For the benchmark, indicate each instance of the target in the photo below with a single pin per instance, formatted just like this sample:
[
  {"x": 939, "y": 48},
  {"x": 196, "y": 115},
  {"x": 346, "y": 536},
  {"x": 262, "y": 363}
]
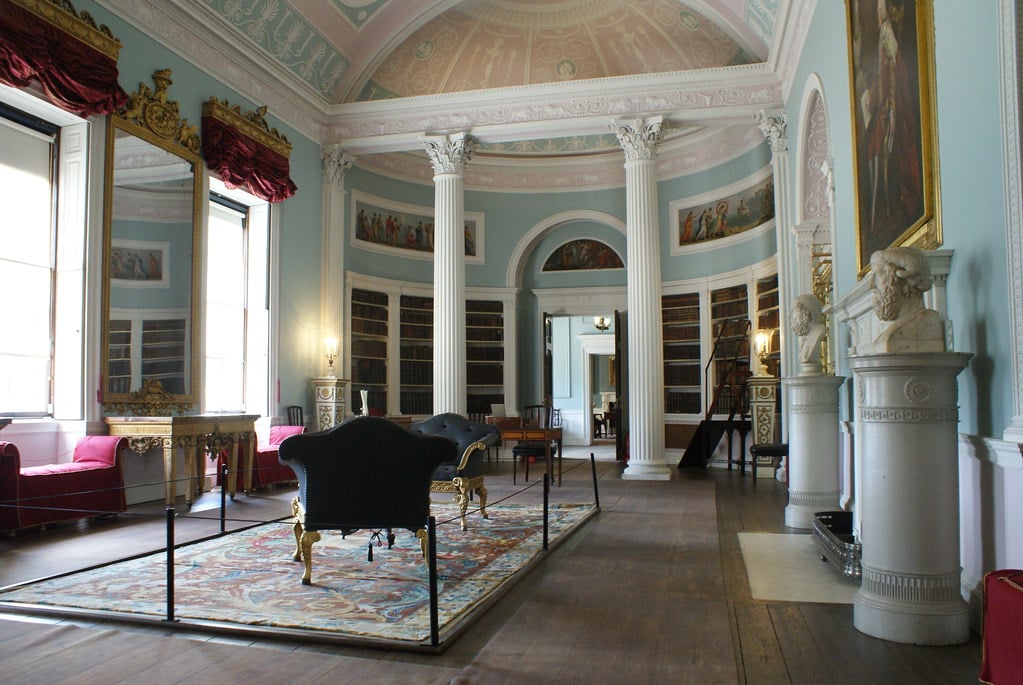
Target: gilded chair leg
[
  {"x": 481, "y": 492},
  {"x": 296, "y": 510},
  {"x": 424, "y": 539},
  {"x": 308, "y": 538},
  {"x": 461, "y": 499}
]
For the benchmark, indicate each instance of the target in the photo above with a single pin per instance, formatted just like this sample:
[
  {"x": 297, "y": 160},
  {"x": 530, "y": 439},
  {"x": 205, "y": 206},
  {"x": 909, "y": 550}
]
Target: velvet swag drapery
[
  {"x": 245, "y": 152},
  {"x": 73, "y": 60}
]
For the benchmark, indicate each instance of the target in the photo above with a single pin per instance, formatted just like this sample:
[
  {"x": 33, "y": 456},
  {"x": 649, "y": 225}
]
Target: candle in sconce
[{"x": 365, "y": 402}]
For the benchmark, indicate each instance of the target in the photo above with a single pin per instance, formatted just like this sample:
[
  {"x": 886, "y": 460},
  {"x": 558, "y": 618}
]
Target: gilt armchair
[
  {"x": 463, "y": 474},
  {"x": 366, "y": 473}
]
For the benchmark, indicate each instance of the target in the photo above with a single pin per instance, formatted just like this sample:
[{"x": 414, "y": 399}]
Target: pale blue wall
[{"x": 969, "y": 131}]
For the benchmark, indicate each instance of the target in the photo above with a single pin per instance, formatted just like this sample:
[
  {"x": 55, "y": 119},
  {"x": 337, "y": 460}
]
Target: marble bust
[
  {"x": 901, "y": 275},
  {"x": 807, "y": 322}
]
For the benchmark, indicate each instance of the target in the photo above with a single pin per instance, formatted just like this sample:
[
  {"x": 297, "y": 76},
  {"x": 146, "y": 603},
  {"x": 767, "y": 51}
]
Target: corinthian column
[
  {"x": 773, "y": 124},
  {"x": 449, "y": 155},
  {"x": 335, "y": 163},
  {"x": 645, "y": 407}
]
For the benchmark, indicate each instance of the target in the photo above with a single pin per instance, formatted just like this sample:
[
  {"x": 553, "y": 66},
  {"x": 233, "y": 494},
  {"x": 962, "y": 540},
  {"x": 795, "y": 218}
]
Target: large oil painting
[
  {"x": 893, "y": 137},
  {"x": 383, "y": 225}
]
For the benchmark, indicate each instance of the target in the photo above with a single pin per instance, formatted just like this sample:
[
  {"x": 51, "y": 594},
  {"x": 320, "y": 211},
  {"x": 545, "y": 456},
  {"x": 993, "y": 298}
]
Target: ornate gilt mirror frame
[{"x": 153, "y": 174}]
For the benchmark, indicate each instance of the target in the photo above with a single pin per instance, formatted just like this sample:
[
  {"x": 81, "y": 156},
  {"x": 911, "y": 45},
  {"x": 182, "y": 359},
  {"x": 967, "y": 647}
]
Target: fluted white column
[
  {"x": 645, "y": 408},
  {"x": 449, "y": 155},
  {"x": 335, "y": 163}
]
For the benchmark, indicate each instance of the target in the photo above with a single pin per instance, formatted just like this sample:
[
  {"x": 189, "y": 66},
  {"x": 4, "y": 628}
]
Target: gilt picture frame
[{"x": 891, "y": 70}]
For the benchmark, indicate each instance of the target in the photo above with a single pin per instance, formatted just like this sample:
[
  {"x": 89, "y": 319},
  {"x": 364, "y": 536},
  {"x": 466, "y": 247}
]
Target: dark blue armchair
[
  {"x": 366, "y": 473},
  {"x": 464, "y": 473}
]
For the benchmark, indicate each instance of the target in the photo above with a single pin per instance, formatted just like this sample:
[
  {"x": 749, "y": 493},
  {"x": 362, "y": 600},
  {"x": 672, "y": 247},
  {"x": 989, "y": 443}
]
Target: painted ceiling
[{"x": 354, "y": 50}]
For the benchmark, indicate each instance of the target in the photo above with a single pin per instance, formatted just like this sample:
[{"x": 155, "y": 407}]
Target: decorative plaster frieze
[
  {"x": 906, "y": 587},
  {"x": 816, "y": 176},
  {"x": 810, "y": 409},
  {"x": 907, "y": 415}
]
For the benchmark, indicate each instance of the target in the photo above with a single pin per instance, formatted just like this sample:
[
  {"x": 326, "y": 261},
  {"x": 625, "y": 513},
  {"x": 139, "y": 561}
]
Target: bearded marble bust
[
  {"x": 807, "y": 323},
  {"x": 901, "y": 276}
]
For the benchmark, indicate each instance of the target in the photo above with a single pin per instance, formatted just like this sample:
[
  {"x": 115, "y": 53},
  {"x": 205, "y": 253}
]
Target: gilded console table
[{"x": 196, "y": 435}]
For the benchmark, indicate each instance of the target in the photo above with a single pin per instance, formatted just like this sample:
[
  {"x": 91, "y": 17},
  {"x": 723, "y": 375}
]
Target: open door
[
  {"x": 621, "y": 386},
  {"x": 547, "y": 396}
]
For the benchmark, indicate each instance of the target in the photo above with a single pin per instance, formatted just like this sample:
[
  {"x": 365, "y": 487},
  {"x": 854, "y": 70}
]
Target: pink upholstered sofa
[
  {"x": 267, "y": 469},
  {"x": 92, "y": 484}
]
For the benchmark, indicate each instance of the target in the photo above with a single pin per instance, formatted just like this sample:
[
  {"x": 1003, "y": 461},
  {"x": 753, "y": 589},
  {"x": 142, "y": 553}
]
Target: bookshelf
[
  {"x": 369, "y": 338},
  {"x": 680, "y": 325},
  {"x": 767, "y": 318},
  {"x": 484, "y": 354},
  {"x": 416, "y": 355},
  {"x": 396, "y": 362},
  {"x": 147, "y": 344},
  {"x": 729, "y": 326}
]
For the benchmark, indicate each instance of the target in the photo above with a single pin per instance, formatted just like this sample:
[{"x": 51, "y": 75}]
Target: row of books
[{"x": 682, "y": 403}]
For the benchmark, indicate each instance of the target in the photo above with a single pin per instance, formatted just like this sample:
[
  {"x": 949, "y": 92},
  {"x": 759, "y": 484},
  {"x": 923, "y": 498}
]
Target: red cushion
[{"x": 1003, "y": 625}]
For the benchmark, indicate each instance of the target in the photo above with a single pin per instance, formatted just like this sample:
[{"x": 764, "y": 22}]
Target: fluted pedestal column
[
  {"x": 812, "y": 418},
  {"x": 330, "y": 401},
  {"x": 449, "y": 155},
  {"x": 908, "y": 498},
  {"x": 645, "y": 406}
]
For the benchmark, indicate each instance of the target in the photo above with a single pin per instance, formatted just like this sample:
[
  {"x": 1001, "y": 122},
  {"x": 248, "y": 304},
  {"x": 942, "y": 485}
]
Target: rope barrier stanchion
[
  {"x": 170, "y": 563},
  {"x": 431, "y": 558},
  {"x": 593, "y": 469},
  {"x": 223, "y": 497},
  {"x": 546, "y": 508}
]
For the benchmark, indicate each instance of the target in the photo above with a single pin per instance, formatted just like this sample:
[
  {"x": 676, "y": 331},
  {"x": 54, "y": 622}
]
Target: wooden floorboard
[{"x": 652, "y": 590}]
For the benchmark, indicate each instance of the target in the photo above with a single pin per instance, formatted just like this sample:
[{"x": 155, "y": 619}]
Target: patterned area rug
[{"x": 248, "y": 577}]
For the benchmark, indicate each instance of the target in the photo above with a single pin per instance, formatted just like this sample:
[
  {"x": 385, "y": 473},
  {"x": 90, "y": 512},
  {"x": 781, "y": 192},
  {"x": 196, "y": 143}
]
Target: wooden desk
[
  {"x": 197, "y": 435},
  {"x": 512, "y": 428}
]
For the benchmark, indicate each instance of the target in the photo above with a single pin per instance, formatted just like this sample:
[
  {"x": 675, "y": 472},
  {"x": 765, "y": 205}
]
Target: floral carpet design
[{"x": 248, "y": 577}]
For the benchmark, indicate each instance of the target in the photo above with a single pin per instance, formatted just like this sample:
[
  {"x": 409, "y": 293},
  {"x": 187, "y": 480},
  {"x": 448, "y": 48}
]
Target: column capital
[
  {"x": 449, "y": 154},
  {"x": 336, "y": 161},
  {"x": 638, "y": 137},
  {"x": 773, "y": 123}
]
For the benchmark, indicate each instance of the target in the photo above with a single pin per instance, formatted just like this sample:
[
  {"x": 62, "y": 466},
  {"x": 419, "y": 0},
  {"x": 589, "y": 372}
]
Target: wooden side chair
[{"x": 528, "y": 451}]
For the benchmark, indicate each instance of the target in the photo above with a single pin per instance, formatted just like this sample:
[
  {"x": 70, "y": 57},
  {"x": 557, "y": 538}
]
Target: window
[
  {"x": 236, "y": 329},
  {"x": 43, "y": 170}
]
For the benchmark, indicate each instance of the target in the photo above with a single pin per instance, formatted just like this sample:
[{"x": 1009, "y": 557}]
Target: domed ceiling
[
  {"x": 529, "y": 79},
  {"x": 482, "y": 44}
]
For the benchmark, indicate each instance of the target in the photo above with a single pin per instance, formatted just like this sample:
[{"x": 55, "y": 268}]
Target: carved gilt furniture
[{"x": 464, "y": 474}]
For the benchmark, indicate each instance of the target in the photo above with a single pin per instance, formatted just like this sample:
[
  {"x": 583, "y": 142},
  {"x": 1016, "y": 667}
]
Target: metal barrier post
[
  {"x": 593, "y": 469},
  {"x": 546, "y": 507},
  {"x": 431, "y": 562},
  {"x": 170, "y": 563}
]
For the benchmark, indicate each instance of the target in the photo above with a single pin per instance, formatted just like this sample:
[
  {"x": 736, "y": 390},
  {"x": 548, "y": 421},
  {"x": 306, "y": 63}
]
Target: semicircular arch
[{"x": 524, "y": 248}]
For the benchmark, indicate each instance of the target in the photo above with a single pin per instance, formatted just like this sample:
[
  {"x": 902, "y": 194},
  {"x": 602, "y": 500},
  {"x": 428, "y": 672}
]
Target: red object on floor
[{"x": 1002, "y": 662}]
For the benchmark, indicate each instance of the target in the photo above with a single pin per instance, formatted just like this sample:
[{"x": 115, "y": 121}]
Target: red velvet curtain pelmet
[
  {"x": 242, "y": 162},
  {"x": 75, "y": 76}
]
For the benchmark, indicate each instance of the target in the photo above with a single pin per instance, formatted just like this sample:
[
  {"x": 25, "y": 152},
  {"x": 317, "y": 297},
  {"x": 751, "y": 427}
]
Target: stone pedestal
[
  {"x": 812, "y": 420},
  {"x": 908, "y": 498},
  {"x": 763, "y": 400},
  {"x": 330, "y": 401}
]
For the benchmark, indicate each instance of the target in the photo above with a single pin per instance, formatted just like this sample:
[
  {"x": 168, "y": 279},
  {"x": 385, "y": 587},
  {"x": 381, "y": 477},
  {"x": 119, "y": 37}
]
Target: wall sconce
[
  {"x": 331, "y": 345},
  {"x": 762, "y": 348},
  {"x": 601, "y": 323}
]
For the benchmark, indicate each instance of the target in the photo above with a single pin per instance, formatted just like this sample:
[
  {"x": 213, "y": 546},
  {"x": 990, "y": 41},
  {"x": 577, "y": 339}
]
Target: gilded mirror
[{"x": 151, "y": 256}]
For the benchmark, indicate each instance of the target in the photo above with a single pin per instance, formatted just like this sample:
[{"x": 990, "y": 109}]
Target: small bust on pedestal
[
  {"x": 807, "y": 322},
  {"x": 901, "y": 275}
]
